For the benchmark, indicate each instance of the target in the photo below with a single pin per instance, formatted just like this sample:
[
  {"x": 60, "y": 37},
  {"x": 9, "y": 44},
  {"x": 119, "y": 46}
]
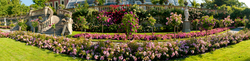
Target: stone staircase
[
  {"x": 59, "y": 26},
  {"x": 62, "y": 26}
]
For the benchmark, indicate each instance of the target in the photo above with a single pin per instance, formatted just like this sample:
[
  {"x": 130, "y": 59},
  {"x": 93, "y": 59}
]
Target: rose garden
[{"x": 129, "y": 32}]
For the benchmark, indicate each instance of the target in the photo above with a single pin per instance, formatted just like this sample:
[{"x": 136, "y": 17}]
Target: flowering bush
[
  {"x": 53, "y": 25},
  {"x": 238, "y": 22},
  {"x": 150, "y": 37},
  {"x": 227, "y": 21},
  {"x": 129, "y": 23},
  {"x": 196, "y": 23},
  {"x": 40, "y": 18},
  {"x": 207, "y": 22},
  {"x": 132, "y": 50},
  {"x": 174, "y": 19},
  {"x": 82, "y": 21},
  {"x": 152, "y": 22},
  {"x": 103, "y": 18},
  {"x": 34, "y": 23}
]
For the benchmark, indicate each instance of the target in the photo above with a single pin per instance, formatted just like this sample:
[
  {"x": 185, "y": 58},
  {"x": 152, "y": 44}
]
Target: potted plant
[
  {"x": 166, "y": 2},
  {"x": 76, "y": 4},
  {"x": 142, "y": 1},
  {"x": 202, "y": 4},
  {"x": 96, "y": 2},
  {"x": 185, "y": 3},
  {"x": 34, "y": 23},
  {"x": 11, "y": 24},
  {"x": 54, "y": 27},
  {"x": 40, "y": 18},
  {"x": 61, "y": 6},
  {"x": 46, "y": 3},
  {"x": 20, "y": 23},
  {"x": 31, "y": 7},
  {"x": 117, "y": 2},
  {"x": 67, "y": 16}
]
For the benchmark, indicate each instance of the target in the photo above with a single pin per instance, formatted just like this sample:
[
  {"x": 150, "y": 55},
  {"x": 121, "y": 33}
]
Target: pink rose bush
[
  {"x": 131, "y": 51},
  {"x": 150, "y": 37}
]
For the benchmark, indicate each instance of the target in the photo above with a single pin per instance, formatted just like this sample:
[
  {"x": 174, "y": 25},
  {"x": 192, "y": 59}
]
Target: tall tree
[
  {"x": 181, "y": 2},
  {"x": 40, "y": 2}
]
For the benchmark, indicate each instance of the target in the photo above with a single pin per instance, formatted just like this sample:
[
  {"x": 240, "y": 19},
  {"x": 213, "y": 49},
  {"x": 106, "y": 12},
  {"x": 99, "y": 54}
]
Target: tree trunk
[
  {"x": 174, "y": 32},
  {"x": 102, "y": 27},
  {"x": 20, "y": 28},
  {"x": 34, "y": 29},
  {"x": 54, "y": 32},
  {"x": 206, "y": 35},
  {"x": 152, "y": 29}
]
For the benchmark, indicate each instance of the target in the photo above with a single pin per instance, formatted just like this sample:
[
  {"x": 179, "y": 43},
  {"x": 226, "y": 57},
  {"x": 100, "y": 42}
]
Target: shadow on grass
[{"x": 248, "y": 59}]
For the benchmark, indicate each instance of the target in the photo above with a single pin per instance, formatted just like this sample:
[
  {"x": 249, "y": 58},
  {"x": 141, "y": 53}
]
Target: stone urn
[
  {"x": 31, "y": 8},
  {"x": 185, "y": 3},
  {"x": 142, "y": 1},
  {"x": 67, "y": 18},
  {"x": 96, "y": 2},
  {"x": 117, "y": 2},
  {"x": 166, "y": 2},
  {"x": 46, "y": 4}
]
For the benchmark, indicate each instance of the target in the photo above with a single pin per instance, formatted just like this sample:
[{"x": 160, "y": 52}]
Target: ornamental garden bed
[
  {"x": 107, "y": 50},
  {"x": 150, "y": 37}
]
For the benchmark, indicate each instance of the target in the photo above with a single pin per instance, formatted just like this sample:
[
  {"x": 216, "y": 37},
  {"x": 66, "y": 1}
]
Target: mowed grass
[
  {"x": 148, "y": 33},
  {"x": 237, "y": 52},
  {"x": 179, "y": 39},
  {"x": 11, "y": 50}
]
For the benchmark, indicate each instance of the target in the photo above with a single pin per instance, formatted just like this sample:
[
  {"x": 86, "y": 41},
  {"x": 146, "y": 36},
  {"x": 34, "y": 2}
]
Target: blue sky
[{"x": 29, "y": 2}]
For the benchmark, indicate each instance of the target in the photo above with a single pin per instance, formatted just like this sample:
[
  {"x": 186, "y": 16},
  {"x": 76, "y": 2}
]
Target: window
[
  {"x": 51, "y": 4},
  {"x": 61, "y": 1}
]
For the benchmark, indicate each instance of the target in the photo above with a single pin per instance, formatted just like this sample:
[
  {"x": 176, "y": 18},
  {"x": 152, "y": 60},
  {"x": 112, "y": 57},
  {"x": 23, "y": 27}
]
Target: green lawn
[
  {"x": 148, "y": 33},
  {"x": 237, "y": 52},
  {"x": 96, "y": 40},
  {"x": 12, "y": 50}
]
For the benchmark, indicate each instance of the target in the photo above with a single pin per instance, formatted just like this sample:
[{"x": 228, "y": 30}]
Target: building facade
[
  {"x": 70, "y": 3},
  {"x": 56, "y": 3}
]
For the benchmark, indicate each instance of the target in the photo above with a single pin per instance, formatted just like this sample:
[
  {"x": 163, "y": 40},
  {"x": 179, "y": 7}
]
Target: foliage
[
  {"x": 67, "y": 15},
  {"x": 34, "y": 23},
  {"x": 11, "y": 24},
  {"x": 53, "y": 25},
  {"x": 227, "y": 21},
  {"x": 151, "y": 21},
  {"x": 129, "y": 23},
  {"x": 196, "y": 22},
  {"x": 82, "y": 21},
  {"x": 194, "y": 4},
  {"x": 12, "y": 8},
  {"x": 40, "y": 18},
  {"x": 181, "y": 2},
  {"x": 40, "y": 2},
  {"x": 239, "y": 22},
  {"x": 174, "y": 19},
  {"x": 154, "y": 1},
  {"x": 207, "y": 23},
  {"x": 62, "y": 6}
]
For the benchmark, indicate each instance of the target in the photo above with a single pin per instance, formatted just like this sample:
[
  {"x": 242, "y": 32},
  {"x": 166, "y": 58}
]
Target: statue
[{"x": 186, "y": 14}]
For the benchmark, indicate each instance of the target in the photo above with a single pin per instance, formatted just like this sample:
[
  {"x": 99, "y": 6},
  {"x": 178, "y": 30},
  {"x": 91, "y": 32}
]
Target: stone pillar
[{"x": 186, "y": 23}]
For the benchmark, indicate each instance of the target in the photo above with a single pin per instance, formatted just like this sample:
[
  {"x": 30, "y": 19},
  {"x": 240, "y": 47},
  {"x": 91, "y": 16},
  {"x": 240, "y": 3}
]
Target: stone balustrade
[
  {"x": 61, "y": 12},
  {"x": 149, "y": 7}
]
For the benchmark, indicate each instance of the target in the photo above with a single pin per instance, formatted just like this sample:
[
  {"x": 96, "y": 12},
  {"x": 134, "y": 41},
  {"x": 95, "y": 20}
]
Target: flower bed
[
  {"x": 150, "y": 37},
  {"x": 5, "y": 27},
  {"x": 127, "y": 51}
]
